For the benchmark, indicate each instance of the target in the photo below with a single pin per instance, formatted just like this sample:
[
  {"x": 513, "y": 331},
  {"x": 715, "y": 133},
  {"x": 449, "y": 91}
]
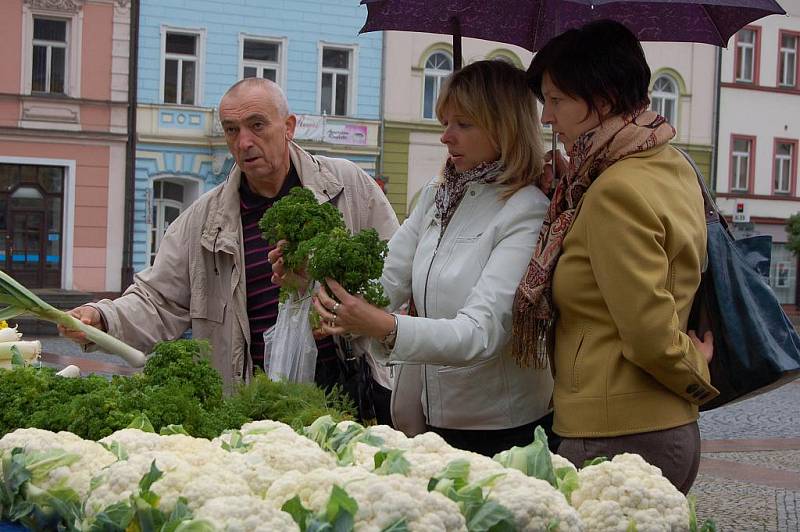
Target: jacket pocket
[
  {"x": 475, "y": 396},
  {"x": 575, "y": 374}
]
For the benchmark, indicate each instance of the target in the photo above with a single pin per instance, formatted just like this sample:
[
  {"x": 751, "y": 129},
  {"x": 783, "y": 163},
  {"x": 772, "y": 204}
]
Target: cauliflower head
[
  {"x": 533, "y": 502},
  {"x": 180, "y": 478},
  {"x": 382, "y": 500},
  {"x": 196, "y": 451},
  {"x": 78, "y": 476},
  {"x": 244, "y": 514},
  {"x": 639, "y": 490}
]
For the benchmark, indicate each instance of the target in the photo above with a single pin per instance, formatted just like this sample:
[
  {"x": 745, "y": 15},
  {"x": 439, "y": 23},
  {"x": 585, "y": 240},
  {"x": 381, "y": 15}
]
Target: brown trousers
[{"x": 675, "y": 451}]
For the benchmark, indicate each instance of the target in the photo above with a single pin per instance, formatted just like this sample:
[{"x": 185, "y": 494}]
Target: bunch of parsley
[
  {"x": 354, "y": 261},
  {"x": 318, "y": 239},
  {"x": 298, "y": 217},
  {"x": 178, "y": 386}
]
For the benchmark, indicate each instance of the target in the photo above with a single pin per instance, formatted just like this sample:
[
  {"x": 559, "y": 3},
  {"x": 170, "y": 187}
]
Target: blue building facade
[{"x": 191, "y": 51}]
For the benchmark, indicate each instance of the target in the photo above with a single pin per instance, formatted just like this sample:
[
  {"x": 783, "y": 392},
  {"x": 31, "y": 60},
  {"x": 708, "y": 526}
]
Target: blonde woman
[{"x": 459, "y": 257}]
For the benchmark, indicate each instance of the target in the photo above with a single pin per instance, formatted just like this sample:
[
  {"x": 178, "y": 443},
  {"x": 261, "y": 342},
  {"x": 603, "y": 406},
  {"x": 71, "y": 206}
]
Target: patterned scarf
[
  {"x": 454, "y": 186},
  {"x": 594, "y": 151}
]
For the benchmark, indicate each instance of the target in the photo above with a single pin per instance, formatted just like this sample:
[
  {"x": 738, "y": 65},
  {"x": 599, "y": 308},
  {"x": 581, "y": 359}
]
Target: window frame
[
  {"x": 792, "y": 167},
  {"x": 674, "y": 97},
  {"x": 352, "y": 71},
  {"x": 737, "y": 56},
  {"x": 280, "y": 71},
  {"x": 72, "y": 57},
  {"x": 199, "y": 75},
  {"x": 503, "y": 54},
  {"x": 439, "y": 75},
  {"x": 49, "y": 46},
  {"x": 796, "y": 84},
  {"x": 750, "y": 166},
  {"x": 192, "y": 189}
]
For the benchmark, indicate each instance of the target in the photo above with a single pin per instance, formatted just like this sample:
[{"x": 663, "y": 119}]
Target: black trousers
[
  {"x": 491, "y": 442},
  {"x": 372, "y": 400}
]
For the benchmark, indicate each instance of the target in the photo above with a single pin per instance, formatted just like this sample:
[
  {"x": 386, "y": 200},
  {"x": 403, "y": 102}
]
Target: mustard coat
[{"x": 624, "y": 287}]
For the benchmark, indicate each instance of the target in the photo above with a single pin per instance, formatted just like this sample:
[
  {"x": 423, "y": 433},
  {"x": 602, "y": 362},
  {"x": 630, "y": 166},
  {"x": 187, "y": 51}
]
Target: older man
[{"x": 211, "y": 273}]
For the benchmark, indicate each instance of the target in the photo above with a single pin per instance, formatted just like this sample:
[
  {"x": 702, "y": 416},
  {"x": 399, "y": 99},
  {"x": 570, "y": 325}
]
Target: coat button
[{"x": 471, "y": 192}]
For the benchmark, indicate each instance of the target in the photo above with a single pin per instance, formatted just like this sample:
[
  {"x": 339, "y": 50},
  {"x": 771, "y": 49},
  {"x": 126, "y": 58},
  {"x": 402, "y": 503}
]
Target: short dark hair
[{"x": 599, "y": 62}]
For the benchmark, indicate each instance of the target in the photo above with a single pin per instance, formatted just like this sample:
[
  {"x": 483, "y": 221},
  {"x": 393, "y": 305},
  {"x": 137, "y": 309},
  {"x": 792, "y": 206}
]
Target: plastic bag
[{"x": 290, "y": 352}]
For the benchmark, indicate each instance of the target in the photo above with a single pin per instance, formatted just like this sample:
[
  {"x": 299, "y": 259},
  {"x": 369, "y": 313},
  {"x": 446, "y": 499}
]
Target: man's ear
[{"x": 291, "y": 124}]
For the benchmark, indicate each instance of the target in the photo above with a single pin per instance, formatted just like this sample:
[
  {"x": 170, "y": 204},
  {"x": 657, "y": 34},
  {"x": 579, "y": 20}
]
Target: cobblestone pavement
[
  {"x": 750, "y": 469},
  {"x": 749, "y": 478}
]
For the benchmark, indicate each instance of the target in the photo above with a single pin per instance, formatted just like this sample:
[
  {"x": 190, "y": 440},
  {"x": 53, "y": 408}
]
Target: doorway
[{"x": 31, "y": 200}]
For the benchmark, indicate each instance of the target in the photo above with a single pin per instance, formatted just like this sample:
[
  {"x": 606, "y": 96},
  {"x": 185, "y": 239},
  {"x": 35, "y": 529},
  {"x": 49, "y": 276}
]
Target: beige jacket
[
  {"x": 197, "y": 280},
  {"x": 455, "y": 364}
]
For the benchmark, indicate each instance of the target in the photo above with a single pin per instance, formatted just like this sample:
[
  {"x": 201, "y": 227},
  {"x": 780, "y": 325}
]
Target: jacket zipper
[{"x": 425, "y": 312}]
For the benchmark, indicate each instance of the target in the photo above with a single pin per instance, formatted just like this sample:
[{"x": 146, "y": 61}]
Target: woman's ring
[{"x": 336, "y": 306}]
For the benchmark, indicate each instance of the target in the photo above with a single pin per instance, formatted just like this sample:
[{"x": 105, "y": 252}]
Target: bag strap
[{"x": 711, "y": 209}]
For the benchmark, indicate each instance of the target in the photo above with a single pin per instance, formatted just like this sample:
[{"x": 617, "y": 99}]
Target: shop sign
[
  {"x": 353, "y": 134},
  {"x": 310, "y": 127}
]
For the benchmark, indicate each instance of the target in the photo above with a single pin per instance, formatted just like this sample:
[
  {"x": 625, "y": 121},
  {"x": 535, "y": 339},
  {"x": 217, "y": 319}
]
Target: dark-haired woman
[{"x": 617, "y": 263}]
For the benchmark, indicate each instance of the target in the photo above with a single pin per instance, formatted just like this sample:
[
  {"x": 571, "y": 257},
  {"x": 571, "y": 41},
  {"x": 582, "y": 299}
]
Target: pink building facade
[{"x": 63, "y": 139}]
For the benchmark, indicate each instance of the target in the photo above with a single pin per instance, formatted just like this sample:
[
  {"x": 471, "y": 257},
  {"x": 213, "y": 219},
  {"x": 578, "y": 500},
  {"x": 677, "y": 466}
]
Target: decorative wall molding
[{"x": 69, "y": 6}]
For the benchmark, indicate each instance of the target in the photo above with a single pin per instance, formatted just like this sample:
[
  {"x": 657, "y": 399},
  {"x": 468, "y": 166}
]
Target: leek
[
  {"x": 28, "y": 351},
  {"x": 9, "y": 334},
  {"x": 19, "y": 300}
]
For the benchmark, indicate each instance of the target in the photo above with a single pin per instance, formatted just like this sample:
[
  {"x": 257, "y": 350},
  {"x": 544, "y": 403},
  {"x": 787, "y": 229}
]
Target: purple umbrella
[{"x": 531, "y": 23}]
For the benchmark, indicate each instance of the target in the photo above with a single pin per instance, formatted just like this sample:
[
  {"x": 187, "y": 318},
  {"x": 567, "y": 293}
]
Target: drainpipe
[
  {"x": 130, "y": 159},
  {"x": 382, "y": 107},
  {"x": 715, "y": 120}
]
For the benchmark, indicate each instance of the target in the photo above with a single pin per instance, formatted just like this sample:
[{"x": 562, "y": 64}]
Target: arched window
[
  {"x": 438, "y": 66},
  {"x": 665, "y": 98},
  {"x": 166, "y": 207}
]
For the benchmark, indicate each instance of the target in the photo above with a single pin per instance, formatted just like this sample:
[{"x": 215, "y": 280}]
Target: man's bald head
[
  {"x": 258, "y": 129},
  {"x": 271, "y": 88}
]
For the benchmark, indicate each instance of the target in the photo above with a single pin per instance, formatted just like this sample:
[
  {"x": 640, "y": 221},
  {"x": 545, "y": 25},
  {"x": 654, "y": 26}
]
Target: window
[
  {"x": 336, "y": 80},
  {"x": 787, "y": 60},
  {"x": 180, "y": 68},
  {"x": 438, "y": 66},
  {"x": 665, "y": 98},
  {"x": 49, "y": 69},
  {"x": 783, "y": 273},
  {"x": 261, "y": 58},
  {"x": 166, "y": 207},
  {"x": 746, "y": 56},
  {"x": 783, "y": 166},
  {"x": 741, "y": 163}
]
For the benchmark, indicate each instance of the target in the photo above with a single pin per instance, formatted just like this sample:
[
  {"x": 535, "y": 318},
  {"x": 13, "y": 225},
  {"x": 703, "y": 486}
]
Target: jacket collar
[
  {"x": 222, "y": 227},
  {"x": 314, "y": 176}
]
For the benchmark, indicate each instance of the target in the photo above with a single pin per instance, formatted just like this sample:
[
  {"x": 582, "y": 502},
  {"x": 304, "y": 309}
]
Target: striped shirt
[{"x": 262, "y": 295}]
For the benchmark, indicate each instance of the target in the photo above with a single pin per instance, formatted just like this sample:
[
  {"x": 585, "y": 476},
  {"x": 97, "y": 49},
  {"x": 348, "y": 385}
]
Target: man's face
[{"x": 256, "y": 132}]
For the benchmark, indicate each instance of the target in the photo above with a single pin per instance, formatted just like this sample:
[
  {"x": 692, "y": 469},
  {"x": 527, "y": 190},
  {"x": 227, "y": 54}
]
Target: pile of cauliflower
[{"x": 265, "y": 476}]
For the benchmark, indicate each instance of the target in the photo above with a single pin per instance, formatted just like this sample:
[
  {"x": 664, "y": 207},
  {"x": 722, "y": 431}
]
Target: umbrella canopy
[{"x": 531, "y": 23}]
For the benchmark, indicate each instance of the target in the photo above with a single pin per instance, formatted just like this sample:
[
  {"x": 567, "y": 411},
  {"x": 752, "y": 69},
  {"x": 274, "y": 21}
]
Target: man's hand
[
  {"x": 280, "y": 276},
  {"x": 89, "y": 316},
  {"x": 705, "y": 346}
]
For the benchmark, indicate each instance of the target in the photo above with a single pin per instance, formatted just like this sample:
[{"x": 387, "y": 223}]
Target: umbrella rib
[{"x": 714, "y": 25}]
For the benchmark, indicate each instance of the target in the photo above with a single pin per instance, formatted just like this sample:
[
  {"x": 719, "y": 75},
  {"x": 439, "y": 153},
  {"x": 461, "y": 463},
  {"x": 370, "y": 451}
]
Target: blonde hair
[{"x": 495, "y": 96}]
